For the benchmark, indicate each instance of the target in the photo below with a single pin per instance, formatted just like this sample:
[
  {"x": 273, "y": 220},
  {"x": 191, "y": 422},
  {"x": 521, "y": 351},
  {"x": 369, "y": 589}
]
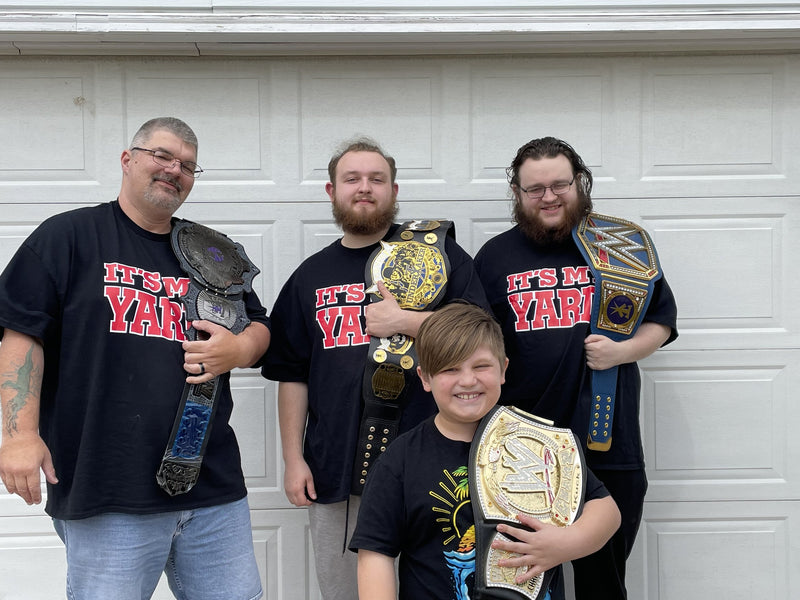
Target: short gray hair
[{"x": 175, "y": 126}]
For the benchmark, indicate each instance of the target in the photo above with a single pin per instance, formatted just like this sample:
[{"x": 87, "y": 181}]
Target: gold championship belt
[
  {"x": 625, "y": 267},
  {"x": 520, "y": 463},
  {"x": 413, "y": 266}
]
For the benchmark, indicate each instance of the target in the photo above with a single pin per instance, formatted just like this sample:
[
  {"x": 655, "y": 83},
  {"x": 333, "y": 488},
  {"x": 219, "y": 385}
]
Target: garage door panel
[
  {"x": 712, "y": 123},
  {"x": 32, "y": 567},
  {"x": 507, "y": 111},
  {"x": 224, "y": 104},
  {"x": 49, "y": 132},
  {"x": 736, "y": 259},
  {"x": 50, "y": 129},
  {"x": 254, "y": 420},
  {"x": 730, "y": 550},
  {"x": 713, "y": 126},
  {"x": 398, "y": 106},
  {"x": 718, "y": 425}
]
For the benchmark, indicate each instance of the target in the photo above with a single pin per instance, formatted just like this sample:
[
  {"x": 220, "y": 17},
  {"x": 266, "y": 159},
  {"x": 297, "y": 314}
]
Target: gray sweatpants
[{"x": 336, "y": 569}]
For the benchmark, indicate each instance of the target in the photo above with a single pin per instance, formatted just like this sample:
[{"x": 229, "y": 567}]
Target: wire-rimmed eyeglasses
[
  {"x": 165, "y": 159},
  {"x": 538, "y": 191}
]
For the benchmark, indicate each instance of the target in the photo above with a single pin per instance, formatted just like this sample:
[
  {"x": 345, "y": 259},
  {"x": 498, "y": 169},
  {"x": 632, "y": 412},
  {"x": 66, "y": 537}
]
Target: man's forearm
[
  {"x": 256, "y": 337},
  {"x": 21, "y": 369},
  {"x": 413, "y": 319},
  {"x": 648, "y": 338},
  {"x": 292, "y": 416}
]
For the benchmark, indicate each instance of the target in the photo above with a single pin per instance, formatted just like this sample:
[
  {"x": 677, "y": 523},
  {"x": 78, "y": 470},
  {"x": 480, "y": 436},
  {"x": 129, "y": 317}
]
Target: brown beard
[
  {"x": 533, "y": 228},
  {"x": 356, "y": 224}
]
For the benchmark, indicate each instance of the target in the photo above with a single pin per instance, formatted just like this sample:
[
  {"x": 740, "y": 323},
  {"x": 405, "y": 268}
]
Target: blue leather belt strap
[
  {"x": 219, "y": 273},
  {"x": 625, "y": 266}
]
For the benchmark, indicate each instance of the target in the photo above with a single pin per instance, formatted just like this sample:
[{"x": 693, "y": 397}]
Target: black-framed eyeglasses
[
  {"x": 165, "y": 159},
  {"x": 537, "y": 191}
]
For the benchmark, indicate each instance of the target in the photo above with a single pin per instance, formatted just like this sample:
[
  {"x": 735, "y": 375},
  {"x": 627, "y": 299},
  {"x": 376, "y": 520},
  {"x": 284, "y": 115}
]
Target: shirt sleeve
[
  {"x": 662, "y": 309},
  {"x": 594, "y": 488},
  {"x": 380, "y": 518},
  {"x": 289, "y": 354},
  {"x": 29, "y": 297}
]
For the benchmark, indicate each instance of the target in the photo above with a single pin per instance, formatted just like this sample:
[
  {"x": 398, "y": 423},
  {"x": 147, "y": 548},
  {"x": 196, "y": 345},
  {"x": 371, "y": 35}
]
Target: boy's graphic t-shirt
[{"x": 416, "y": 504}]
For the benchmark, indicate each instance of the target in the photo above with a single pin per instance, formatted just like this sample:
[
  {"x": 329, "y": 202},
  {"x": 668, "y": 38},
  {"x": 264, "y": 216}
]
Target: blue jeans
[{"x": 206, "y": 553}]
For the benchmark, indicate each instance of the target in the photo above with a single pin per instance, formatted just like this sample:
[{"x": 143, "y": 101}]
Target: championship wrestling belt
[
  {"x": 625, "y": 266},
  {"x": 413, "y": 266},
  {"x": 520, "y": 463},
  {"x": 219, "y": 274}
]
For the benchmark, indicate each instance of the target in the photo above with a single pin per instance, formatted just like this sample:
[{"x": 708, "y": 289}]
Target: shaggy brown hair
[{"x": 452, "y": 334}]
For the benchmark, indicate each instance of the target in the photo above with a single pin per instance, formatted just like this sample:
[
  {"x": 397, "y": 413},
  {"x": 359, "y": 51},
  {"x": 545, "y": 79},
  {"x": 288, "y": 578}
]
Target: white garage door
[{"x": 701, "y": 149}]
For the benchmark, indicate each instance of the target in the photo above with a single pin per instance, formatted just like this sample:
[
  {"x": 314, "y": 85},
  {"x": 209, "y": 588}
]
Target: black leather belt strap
[
  {"x": 413, "y": 266},
  {"x": 219, "y": 272}
]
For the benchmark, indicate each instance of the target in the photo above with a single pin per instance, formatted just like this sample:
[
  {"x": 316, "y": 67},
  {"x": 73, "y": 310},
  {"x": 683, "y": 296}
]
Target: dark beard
[
  {"x": 358, "y": 225},
  {"x": 534, "y": 230}
]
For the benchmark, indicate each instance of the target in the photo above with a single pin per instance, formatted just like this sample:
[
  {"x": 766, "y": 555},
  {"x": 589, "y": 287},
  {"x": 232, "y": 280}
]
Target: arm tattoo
[{"x": 23, "y": 388}]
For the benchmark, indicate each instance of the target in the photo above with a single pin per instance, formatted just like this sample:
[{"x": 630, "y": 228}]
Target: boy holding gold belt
[{"x": 485, "y": 512}]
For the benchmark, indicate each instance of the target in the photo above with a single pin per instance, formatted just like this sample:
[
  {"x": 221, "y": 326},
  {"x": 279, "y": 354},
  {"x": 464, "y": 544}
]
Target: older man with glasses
[
  {"x": 124, "y": 408},
  {"x": 581, "y": 298}
]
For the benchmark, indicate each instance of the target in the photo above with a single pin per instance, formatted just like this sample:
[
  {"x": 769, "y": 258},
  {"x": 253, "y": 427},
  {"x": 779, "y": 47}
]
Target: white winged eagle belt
[
  {"x": 219, "y": 273},
  {"x": 414, "y": 267},
  {"x": 625, "y": 266},
  {"x": 520, "y": 464}
]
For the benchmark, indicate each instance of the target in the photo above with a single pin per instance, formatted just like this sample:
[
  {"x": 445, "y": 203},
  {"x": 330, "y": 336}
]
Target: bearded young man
[
  {"x": 541, "y": 289},
  {"x": 323, "y": 323}
]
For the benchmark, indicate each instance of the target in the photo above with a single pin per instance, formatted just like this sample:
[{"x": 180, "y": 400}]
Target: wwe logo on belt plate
[
  {"x": 623, "y": 260},
  {"x": 522, "y": 465}
]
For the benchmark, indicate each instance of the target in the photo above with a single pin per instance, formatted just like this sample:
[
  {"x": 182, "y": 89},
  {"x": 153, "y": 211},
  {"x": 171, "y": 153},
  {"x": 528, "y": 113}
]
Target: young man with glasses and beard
[
  {"x": 95, "y": 358},
  {"x": 323, "y": 328},
  {"x": 566, "y": 340}
]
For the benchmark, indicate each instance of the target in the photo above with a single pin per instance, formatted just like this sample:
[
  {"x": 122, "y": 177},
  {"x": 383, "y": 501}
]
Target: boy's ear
[
  {"x": 503, "y": 368},
  {"x": 423, "y": 377}
]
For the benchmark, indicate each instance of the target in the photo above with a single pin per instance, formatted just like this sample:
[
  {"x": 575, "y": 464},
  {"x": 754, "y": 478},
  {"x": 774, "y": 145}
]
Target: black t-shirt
[
  {"x": 102, "y": 295},
  {"x": 416, "y": 504},
  {"x": 542, "y": 297},
  {"x": 318, "y": 338}
]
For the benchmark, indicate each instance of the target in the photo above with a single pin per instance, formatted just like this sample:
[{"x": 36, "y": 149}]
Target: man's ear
[{"x": 125, "y": 160}]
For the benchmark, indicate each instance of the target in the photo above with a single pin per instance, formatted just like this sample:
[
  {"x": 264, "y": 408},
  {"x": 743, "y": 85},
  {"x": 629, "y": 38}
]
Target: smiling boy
[{"x": 416, "y": 503}]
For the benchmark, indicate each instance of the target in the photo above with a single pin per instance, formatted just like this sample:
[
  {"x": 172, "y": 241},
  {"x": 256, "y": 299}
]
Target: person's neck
[
  {"x": 355, "y": 240},
  {"x": 151, "y": 223},
  {"x": 460, "y": 432}
]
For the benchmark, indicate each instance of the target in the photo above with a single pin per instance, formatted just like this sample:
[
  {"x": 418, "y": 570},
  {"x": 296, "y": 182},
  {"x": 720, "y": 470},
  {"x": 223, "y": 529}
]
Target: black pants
[{"x": 601, "y": 576}]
